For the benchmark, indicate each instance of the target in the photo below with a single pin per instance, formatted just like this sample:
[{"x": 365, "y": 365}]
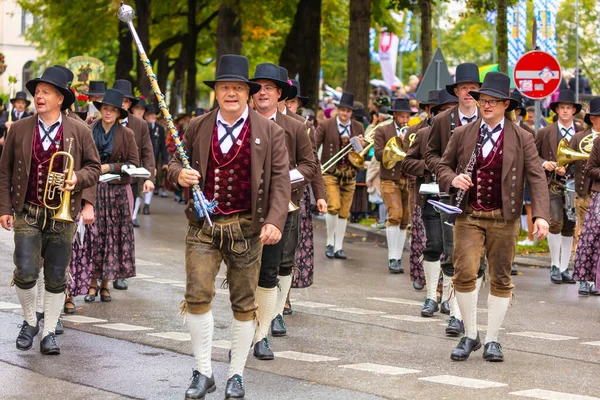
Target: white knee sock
[
  {"x": 201, "y": 328},
  {"x": 391, "y": 233},
  {"x": 497, "y": 307},
  {"x": 554, "y": 244},
  {"x": 566, "y": 244},
  {"x": 28, "y": 299},
  {"x": 136, "y": 208},
  {"x": 447, "y": 283},
  {"x": 340, "y": 231},
  {"x": 331, "y": 222},
  {"x": 41, "y": 288},
  {"x": 148, "y": 197},
  {"x": 452, "y": 302},
  {"x": 467, "y": 303},
  {"x": 266, "y": 299},
  {"x": 432, "y": 275},
  {"x": 401, "y": 241},
  {"x": 53, "y": 304},
  {"x": 242, "y": 333},
  {"x": 285, "y": 283}
]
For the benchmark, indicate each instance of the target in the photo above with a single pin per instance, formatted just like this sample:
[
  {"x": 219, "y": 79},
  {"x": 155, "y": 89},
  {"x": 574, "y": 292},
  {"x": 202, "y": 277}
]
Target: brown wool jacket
[
  {"x": 15, "y": 163},
  {"x": 592, "y": 168},
  {"x": 144, "y": 143},
  {"x": 582, "y": 181},
  {"x": 414, "y": 164},
  {"x": 328, "y": 135},
  {"x": 520, "y": 163},
  {"x": 546, "y": 142},
  {"x": 439, "y": 136},
  {"x": 271, "y": 188},
  {"x": 382, "y": 135}
]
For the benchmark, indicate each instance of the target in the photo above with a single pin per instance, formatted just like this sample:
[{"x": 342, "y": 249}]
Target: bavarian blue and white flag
[
  {"x": 406, "y": 44},
  {"x": 516, "y": 20},
  {"x": 545, "y": 15}
]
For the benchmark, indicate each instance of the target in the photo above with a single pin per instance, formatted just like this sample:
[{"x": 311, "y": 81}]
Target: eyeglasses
[
  {"x": 269, "y": 88},
  {"x": 235, "y": 88},
  {"x": 491, "y": 103}
]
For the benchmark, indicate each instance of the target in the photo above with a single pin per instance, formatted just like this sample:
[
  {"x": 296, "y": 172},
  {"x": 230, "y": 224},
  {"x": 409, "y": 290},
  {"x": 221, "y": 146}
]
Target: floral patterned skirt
[
  {"x": 305, "y": 253},
  {"x": 108, "y": 249},
  {"x": 587, "y": 254},
  {"x": 417, "y": 245}
]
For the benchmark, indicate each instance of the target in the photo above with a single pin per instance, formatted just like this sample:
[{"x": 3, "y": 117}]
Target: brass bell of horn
[
  {"x": 566, "y": 155},
  {"x": 392, "y": 153}
]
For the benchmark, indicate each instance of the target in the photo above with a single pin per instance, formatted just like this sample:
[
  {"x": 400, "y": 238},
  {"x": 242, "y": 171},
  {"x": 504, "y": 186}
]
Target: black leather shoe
[
  {"x": 465, "y": 347},
  {"x": 555, "y": 275},
  {"x": 287, "y": 309},
  {"x": 235, "y": 388},
  {"x": 393, "y": 266},
  {"x": 417, "y": 286},
  {"x": 120, "y": 284},
  {"x": 340, "y": 254},
  {"x": 262, "y": 351},
  {"x": 429, "y": 308},
  {"x": 445, "y": 307},
  {"x": 146, "y": 210},
  {"x": 38, "y": 316},
  {"x": 567, "y": 278},
  {"x": 492, "y": 351},
  {"x": 136, "y": 224},
  {"x": 89, "y": 298},
  {"x": 278, "y": 327},
  {"x": 200, "y": 386},
  {"x": 455, "y": 327},
  {"x": 329, "y": 251},
  {"x": 105, "y": 297},
  {"x": 584, "y": 288},
  {"x": 513, "y": 270},
  {"x": 60, "y": 329},
  {"x": 48, "y": 345},
  {"x": 26, "y": 335},
  {"x": 593, "y": 290}
]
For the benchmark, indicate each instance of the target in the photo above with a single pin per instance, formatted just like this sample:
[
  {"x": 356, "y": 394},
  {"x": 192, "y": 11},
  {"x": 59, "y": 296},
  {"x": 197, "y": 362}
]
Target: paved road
[{"x": 355, "y": 334}]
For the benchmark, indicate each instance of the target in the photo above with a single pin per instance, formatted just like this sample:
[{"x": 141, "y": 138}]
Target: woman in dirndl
[{"x": 108, "y": 249}]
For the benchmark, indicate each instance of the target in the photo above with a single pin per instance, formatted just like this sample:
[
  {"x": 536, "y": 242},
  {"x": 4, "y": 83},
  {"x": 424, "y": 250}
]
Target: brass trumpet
[
  {"x": 56, "y": 181},
  {"x": 392, "y": 153}
]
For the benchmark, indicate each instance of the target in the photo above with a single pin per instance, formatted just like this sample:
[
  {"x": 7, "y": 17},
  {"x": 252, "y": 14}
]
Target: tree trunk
[
  {"x": 178, "y": 81},
  {"x": 125, "y": 58},
  {"x": 426, "y": 48},
  {"x": 143, "y": 31},
  {"x": 359, "y": 62},
  {"x": 191, "y": 44},
  {"x": 502, "y": 37},
  {"x": 229, "y": 30},
  {"x": 162, "y": 76},
  {"x": 302, "y": 50}
]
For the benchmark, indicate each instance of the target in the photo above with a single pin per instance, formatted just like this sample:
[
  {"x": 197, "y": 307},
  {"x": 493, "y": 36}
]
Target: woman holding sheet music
[{"x": 107, "y": 250}]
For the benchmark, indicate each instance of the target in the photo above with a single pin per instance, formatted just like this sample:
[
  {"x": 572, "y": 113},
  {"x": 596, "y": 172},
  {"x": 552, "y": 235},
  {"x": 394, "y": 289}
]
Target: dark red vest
[
  {"x": 344, "y": 162},
  {"x": 486, "y": 193},
  {"x": 228, "y": 176},
  {"x": 40, "y": 162}
]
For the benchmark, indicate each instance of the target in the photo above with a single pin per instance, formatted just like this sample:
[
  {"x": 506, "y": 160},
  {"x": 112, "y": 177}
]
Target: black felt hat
[
  {"x": 283, "y": 75},
  {"x": 347, "y": 100},
  {"x": 298, "y": 93},
  {"x": 233, "y": 68},
  {"x": 432, "y": 100},
  {"x": 594, "y": 110},
  {"x": 443, "y": 99},
  {"x": 57, "y": 78},
  {"x": 401, "y": 105},
  {"x": 96, "y": 88},
  {"x": 114, "y": 98},
  {"x": 21, "y": 96},
  {"x": 497, "y": 85},
  {"x": 141, "y": 102},
  {"x": 521, "y": 102},
  {"x": 272, "y": 72},
  {"x": 124, "y": 86},
  {"x": 466, "y": 72},
  {"x": 68, "y": 72},
  {"x": 566, "y": 96},
  {"x": 150, "y": 109}
]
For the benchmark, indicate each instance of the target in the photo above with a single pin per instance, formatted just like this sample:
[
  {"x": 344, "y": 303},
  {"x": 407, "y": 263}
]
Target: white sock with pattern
[
  {"x": 201, "y": 328},
  {"x": 432, "y": 275},
  {"x": 242, "y": 333},
  {"x": 331, "y": 222},
  {"x": 566, "y": 244},
  {"x": 391, "y": 233},
  {"x": 497, "y": 308},
  {"x": 28, "y": 300},
  {"x": 554, "y": 245},
  {"x": 340, "y": 231},
  {"x": 53, "y": 304},
  {"x": 265, "y": 299},
  {"x": 467, "y": 303}
]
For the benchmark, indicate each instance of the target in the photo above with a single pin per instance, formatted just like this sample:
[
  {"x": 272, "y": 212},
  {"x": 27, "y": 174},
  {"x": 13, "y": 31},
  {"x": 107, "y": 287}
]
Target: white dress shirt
[
  {"x": 342, "y": 131},
  {"x": 462, "y": 117},
  {"x": 48, "y": 142},
  {"x": 221, "y": 124},
  {"x": 489, "y": 145}
]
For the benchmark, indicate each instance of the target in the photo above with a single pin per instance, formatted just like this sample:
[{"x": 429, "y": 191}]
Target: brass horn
[
  {"x": 586, "y": 144},
  {"x": 56, "y": 181},
  {"x": 358, "y": 159},
  {"x": 566, "y": 155},
  {"x": 392, "y": 153}
]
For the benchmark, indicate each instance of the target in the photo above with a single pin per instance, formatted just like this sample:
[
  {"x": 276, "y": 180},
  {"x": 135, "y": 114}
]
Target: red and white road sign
[{"x": 537, "y": 74}]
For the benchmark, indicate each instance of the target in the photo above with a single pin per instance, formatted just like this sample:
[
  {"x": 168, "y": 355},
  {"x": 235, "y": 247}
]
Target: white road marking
[
  {"x": 124, "y": 327},
  {"x": 162, "y": 280},
  {"x": 222, "y": 344},
  {"x": 550, "y": 395},
  {"x": 80, "y": 319},
  {"x": 180, "y": 285},
  {"x": 410, "y": 318},
  {"x": 311, "y": 304},
  {"x": 180, "y": 336},
  {"x": 8, "y": 306},
  {"x": 542, "y": 335},
  {"x": 142, "y": 276},
  {"x": 408, "y": 302},
  {"x": 592, "y": 343},
  {"x": 464, "y": 382},
  {"x": 144, "y": 262},
  {"x": 381, "y": 369},
  {"x": 358, "y": 311},
  {"x": 294, "y": 355},
  {"x": 222, "y": 291}
]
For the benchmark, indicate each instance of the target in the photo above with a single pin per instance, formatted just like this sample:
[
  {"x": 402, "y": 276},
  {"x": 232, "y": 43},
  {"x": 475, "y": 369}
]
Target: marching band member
[
  {"x": 158, "y": 137},
  {"x": 240, "y": 160},
  {"x": 585, "y": 268},
  {"x": 494, "y": 158},
  {"x": 18, "y": 111},
  {"x": 394, "y": 185},
  {"x": 560, "y": 238},
  {"x": 340, "y": 180},
  {"x": 95, "y": 92},
  {"x": 22, "y": 190}
]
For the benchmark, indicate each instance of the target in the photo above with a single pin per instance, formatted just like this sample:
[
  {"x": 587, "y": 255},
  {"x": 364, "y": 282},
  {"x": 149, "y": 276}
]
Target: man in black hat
[
  {"x": 494, "y": 158},
  {"x": 240, "y": 160},
  {"x": 521, "y": 112},
  {"x": 394, "y": 184},
  {"x": 157, "y": 135},
  {"x": 39, "y": 239},
  {"x": 139, "y": 108},
  {"x": 18, "y": 110},
  {"x": 436, "y": 231},
  {"x": 562, "y": 229},
  {"x": 95, "y": 92},
  {"x": 277, "y": 260},
  {"x": 339, "y": 180}
]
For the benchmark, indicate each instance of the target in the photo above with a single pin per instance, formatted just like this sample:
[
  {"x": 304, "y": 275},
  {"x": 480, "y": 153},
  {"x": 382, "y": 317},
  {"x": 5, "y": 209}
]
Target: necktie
[
  {"x": 345, "y": 129},
  {"x": 229, "y": 130},
  {"x": 469, "y": 119},
  {"x": 47, "y": 132},
  {"x": 489, "y": 135},
  {"x": 567, "y": 133}
]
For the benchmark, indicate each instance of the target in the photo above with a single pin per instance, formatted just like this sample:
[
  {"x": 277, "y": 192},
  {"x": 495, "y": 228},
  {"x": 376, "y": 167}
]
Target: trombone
[
  {"x": 354, "y": 145},
  {"x": 358, "y": 158},
  {"x": 56, "y": 181}
]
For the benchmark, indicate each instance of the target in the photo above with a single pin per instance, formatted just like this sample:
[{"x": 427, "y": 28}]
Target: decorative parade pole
[{"x": 203, "y": 207}]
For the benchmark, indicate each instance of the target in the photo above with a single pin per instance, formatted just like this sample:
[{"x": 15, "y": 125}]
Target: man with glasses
[{"x": 490, "y": 161}]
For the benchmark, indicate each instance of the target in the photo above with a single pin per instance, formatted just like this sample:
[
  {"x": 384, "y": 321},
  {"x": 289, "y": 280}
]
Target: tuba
[
  {"x": 56, "y": 181},
  {"x": 392, "y": 153}
]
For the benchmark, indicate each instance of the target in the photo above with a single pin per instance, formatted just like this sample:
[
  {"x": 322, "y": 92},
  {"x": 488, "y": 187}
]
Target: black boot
[
  {"x": 445, "y": 307},
  {"x": 555, "y": 275},
  {"x": 262, "y": 351},
  {"x": 566, "y": 277},
  {"x": 60, "y": 329},
  {"x": 455, "y": 327},
  {"x": 492, "y": 351},
  {"x": 393, "y": 266},
  {"x": 465, "y": 347},
  {"x": 235, "y": 388},
  {"x": 429, "y": 308},
  {"x": 329, "y": 251},
  {"x": 417, "y": 286},
  {"x": 26, "y": 335},
  {"x": 136, "y": 224},
  {"x": 146, "y": 209},
  {"x": 340, "y": 255},
  {"x": 120, "y": 284},
  {"x": 200, "y": 386},
  {"x": 584, "y": 288},
  {"x": 48, "y": 345},
  {"x": 278, "y": 327}
]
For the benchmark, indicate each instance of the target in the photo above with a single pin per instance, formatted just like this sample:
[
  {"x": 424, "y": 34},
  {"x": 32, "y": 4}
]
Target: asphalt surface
[{"x": 363, "y": 321}]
